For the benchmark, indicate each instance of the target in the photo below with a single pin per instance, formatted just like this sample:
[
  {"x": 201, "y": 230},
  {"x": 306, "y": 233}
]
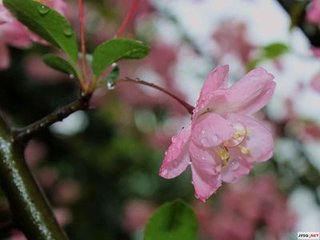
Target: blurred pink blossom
[
  {"x": 15, "y": 34},
  {"x": 313, "y": 12},
  {"x": 315, "y": 82},
  {"x": 245, "y": 209},
  {"x": 315, "y": 51},
  {"x": 232, "y": 38},
  {"x": 136, "y": 214},
  {"x": 223, "y": 140}
]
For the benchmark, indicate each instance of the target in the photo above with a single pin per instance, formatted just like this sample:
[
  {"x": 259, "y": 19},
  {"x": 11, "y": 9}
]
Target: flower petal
[
  {"x": 216, "y": 79},
  {"x": 176, "y": 158},
  {"x": 235, "y": 170},
  {"x": 210, "y": 130},
  {"x": 258, "y": 143},
  {"x": 205, "y": 172},
  {"x": 249, "y": 94}
]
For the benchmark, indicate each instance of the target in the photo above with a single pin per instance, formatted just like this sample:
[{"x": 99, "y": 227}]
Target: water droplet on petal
[
  {"x": 110, "y": 85},
  {"x": 234, "y": 166},
  {"x": 43, "y": 10},
  {"x": 164, "y": 172},
  {"x": 215, "y": 138},
  {"x": 67, "y": 32}
]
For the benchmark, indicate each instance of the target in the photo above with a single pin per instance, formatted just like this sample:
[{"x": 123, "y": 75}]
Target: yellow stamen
[
  {"x": 245, "y": 150},
  {"x": 239, "y": 133},
  {"x": 224, "y": 156}
]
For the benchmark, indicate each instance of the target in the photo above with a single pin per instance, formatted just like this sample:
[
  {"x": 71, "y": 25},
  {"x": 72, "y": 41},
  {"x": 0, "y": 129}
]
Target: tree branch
[
  {"x": 30, "y": 209},
  {"x": 23, "y": 134}
]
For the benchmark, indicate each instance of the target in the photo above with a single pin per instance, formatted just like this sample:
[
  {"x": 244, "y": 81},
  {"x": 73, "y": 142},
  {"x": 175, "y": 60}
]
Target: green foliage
[
  {"x": 116, "y": 49},
  {"x": 269, "y": 52},
  {"x": 47, "y": 23},
  {"x": 172, "y": 221},
  {"x": 59, "y": 64}
]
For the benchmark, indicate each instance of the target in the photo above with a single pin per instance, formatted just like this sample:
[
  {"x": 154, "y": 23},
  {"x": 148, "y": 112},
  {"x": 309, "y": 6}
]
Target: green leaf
[
  {"x": 59, "y": 64},
  {"x": 275, "y": 50},
  {"x": 116, "y": 49},
  {"x": 47, "y": 23},
  {"x": 172, "y": 221}
]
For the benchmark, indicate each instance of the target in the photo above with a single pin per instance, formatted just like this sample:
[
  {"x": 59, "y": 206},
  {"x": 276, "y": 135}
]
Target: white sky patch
[
  {"x": 73, "y": 124},
  {"x": 313, "y": 151},
  {"x": 303, "y": 202}
]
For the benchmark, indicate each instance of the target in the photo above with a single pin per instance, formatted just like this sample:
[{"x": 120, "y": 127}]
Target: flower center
[{"x": 236, "y": 141}]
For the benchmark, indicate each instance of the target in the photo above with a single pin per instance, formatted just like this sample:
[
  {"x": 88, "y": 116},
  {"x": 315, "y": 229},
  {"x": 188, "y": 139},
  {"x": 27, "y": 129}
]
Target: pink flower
[
  {"x": 313, "y": 12},
  {"x": 224, "y": 140}
]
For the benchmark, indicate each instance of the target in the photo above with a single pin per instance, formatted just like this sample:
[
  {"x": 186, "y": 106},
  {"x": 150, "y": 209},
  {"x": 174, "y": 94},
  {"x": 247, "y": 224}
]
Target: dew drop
[
  {"x": 110, "y": 85},
  {"x": 67, "y": 32},
  {"x": 43, "y": 10},
  {"x": 71, "y": 76},
  {"x": 234, "y": 166},
  {"x": 164, "y": 172},
  {"x": 214, "y": 138}
]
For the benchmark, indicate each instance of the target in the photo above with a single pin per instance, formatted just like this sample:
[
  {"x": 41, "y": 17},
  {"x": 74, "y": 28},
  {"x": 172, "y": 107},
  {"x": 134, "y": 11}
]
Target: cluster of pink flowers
[
  {"x": 15, "y": 34},
  {"x": 313, "y": 12},
  {"x": 223, "y": 140},
  {"x": 246, "y": 209}
]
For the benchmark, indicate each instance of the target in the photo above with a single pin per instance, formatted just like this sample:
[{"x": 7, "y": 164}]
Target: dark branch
[{"x": 23, "y": 134}]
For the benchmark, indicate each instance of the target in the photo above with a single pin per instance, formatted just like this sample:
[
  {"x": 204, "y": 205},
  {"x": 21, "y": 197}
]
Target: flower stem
[
  {"x": 127, "y": 18},
  {"x": 187, "y": 106}
]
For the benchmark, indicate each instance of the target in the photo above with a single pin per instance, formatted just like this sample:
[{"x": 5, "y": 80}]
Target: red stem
[
  {"x": 126, "y": 20},
  {"x": 138, "y": 81},
  {"x": 82, "y": 38}
]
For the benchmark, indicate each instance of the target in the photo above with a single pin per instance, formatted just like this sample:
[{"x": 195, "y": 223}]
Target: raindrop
[
  {"x": 110, "y": 85},
  {"x": 164, "y": 172},
  {"x": 234, "y": 166},
  {"x": 43, "y": 10},
  {"x": 214, "y": 138},
  {"x": 67, "y": 32},
  {"x": 71, "y": 76}
]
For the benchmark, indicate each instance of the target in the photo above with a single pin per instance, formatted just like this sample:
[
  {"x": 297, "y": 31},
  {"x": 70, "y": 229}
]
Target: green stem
[{"x": 30, "y": 209}]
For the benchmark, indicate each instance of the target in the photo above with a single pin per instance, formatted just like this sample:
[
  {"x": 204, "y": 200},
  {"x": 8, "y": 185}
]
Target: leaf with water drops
[
  {"x": 112, "y": 77},
  {"x": 59, "y": 64},
  {"x": 174, "y": 221},
  {"x": 47, "y": 23},
  {"x": 116, "y": 49}
]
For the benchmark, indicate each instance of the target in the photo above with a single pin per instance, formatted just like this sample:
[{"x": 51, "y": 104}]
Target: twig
[
  {"x": 139, "y": 81},
  {"x": 24, "y": 133}
]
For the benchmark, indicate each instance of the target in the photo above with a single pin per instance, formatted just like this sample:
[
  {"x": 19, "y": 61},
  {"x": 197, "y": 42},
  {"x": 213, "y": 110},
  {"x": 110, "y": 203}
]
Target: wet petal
[
  {"x": 176, "y": 158},
  {"x": 206, "y": 176},
  {"x": 258, "y": 145},
  {"x": 210, "y": 130},
  {"x": 216, "y": 80},
  {"x": 235, "y": 170},
  {"x": 250, "y": 93}
]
